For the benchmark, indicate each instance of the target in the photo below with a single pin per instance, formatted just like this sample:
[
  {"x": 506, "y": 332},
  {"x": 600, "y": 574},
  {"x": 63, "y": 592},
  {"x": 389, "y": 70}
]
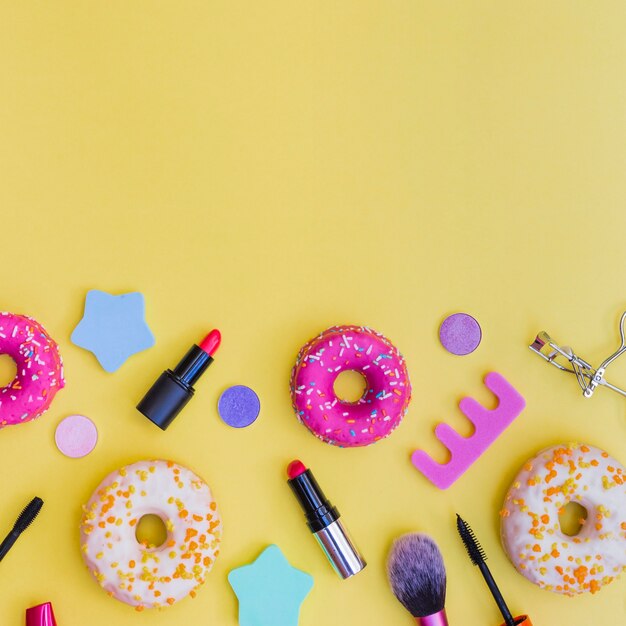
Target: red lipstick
[
  {"x": 295, "y": 469},
  {"x": 174, "y": 388},
  {"x": 323, "y": 521},
  {"x": 211, "y": 342}
]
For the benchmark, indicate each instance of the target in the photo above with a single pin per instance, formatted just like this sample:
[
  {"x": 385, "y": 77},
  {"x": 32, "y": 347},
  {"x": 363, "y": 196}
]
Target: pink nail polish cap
[{"x": 40, "y": 615}]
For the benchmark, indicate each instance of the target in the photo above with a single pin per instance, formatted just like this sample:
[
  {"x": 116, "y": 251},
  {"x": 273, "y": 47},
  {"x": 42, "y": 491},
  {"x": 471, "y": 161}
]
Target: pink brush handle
[{"x": 436, "y": 619}]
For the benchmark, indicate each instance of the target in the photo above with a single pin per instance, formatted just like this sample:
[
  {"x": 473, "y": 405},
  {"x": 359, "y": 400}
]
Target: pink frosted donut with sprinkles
[
  {"x": 39, "y": 369},
  {"x": 531, "y": 530},
  {"x": 383, "y": 403}
]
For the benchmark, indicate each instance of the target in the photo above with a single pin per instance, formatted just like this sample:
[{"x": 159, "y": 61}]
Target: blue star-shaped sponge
[
  {"x": 113, "y": 328},
  {"x": 270, "y": 590}
]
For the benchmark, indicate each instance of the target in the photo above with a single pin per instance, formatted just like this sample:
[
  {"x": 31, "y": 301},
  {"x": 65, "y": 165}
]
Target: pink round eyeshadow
[
  {"x": 460, "y": 334},
  {"x": 76, "y": 436}
]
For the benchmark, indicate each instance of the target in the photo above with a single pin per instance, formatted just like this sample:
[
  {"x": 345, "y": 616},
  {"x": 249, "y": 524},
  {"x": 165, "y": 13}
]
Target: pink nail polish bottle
[{"x": 40, "y": 615}]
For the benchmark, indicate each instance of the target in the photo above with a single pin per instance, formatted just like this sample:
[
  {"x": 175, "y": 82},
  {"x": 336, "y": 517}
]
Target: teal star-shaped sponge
[
  {"x": 113, "y": 328},
  {"x": 270, "y": 590}
]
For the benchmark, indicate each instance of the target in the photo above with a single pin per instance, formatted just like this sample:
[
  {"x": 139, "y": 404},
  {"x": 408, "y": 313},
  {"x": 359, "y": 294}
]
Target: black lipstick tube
[
  {"x": 323, "y": 520},
  {"x": 174, "y": 388}
]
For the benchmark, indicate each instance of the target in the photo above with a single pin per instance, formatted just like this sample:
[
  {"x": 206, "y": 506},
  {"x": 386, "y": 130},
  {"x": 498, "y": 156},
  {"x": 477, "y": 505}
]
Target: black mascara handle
[
  {"x": 497, "y": 596},
  {"x": 7, "y": 544}
]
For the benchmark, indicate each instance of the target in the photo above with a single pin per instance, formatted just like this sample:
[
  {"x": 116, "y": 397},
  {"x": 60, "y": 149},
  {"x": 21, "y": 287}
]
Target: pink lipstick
[{"x": 174, "y": 388}]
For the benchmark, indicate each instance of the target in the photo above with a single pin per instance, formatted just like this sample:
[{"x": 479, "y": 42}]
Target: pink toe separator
[{"x": 489, "y": 425}]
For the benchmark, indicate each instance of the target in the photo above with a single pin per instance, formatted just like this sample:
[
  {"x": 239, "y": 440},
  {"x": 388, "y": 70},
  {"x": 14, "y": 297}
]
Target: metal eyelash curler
[{"x": 588, "y": 377}]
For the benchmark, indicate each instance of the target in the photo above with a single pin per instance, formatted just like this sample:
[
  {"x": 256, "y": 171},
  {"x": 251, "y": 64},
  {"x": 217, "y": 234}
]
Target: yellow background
[{"x": 272, "y": 168}]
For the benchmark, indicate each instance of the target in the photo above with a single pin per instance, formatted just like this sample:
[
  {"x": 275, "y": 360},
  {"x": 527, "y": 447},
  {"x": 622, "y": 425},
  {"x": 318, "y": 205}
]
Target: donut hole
[
  {"x": 350, "y": 386},
  {"x": 8, "y": 370},
  {"x": 572, "y": 518},
  {"x": 151, "y": 531}
]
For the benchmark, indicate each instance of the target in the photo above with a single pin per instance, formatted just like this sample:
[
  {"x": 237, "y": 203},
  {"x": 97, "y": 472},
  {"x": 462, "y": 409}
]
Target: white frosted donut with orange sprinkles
[
  {"x": 531, "y": 531},
  {"x": 142, "y": 576}
]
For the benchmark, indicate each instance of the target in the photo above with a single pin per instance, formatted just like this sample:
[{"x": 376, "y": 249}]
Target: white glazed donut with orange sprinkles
[
  {"x": 142, "y": 576},
  {"x": 531, "y": 531}
]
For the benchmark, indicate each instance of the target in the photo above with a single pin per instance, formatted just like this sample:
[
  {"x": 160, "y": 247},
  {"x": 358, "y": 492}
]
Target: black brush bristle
[
  {"x": 474, "y": 549},
  {"x": 27, "y": 516},
  {"x": 417, "y": 574}
]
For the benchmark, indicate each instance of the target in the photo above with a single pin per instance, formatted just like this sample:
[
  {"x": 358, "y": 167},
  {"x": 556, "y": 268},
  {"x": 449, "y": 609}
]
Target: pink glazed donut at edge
[
  {"x": 39, "y": 369},
  {"x": 350, "y": 424}
]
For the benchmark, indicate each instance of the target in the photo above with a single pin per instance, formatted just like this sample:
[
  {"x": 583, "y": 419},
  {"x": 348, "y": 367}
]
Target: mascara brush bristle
[
  {"x": 417, "y": 574},
  {"x": 28, "y": 515},
  {"x": 474, "y": 549}
]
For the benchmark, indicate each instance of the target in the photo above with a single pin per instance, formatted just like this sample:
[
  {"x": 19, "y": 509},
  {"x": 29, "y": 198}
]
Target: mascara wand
[
  {"x": 478, "y": 557},
  {"x": 24, "y": 520}
]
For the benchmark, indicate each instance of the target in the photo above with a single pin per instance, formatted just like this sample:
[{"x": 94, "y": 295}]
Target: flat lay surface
[{"x": 274, "y": 169}]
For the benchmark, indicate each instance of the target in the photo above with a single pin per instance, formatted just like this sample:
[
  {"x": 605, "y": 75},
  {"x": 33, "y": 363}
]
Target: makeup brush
[
  {"x": 478, "y": 557},
  {"x": 24, "y": 520},
  {"x": 418, "y": 578}
]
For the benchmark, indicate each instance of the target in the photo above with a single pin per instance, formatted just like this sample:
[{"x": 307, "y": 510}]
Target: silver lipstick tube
[{"x": 340, "y": 549}]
